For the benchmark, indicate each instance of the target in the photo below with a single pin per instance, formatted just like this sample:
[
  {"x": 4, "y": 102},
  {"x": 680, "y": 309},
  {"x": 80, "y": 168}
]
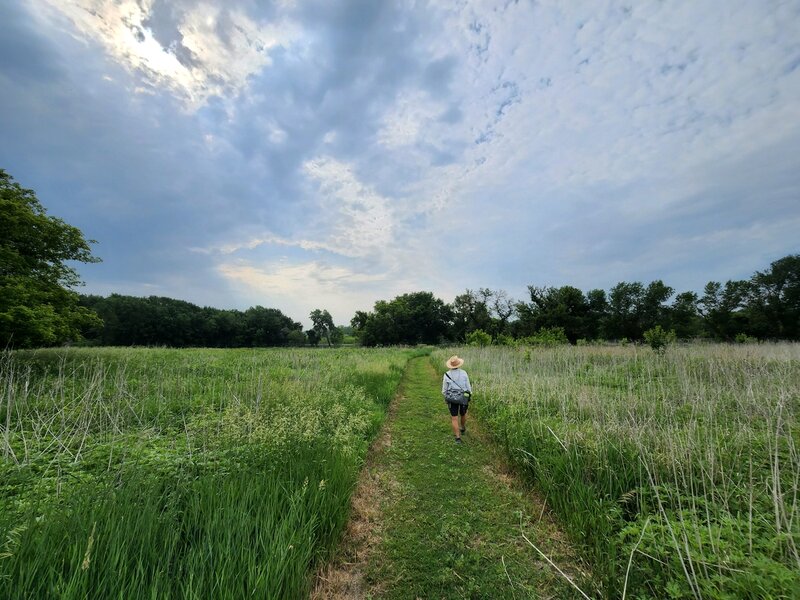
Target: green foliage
[
  {"x": 417, "y": 318},
  {"x": 296, "y": 338},
  {"x": 159, "y": 321},
  {"x": 502, "y": 339},
  {"x": 564, "y": 308},
  {"x": 166, "y": 474},
  {"x": 658, "y": 339},
  {"x": 449, "y": 527},
  {"x": 678, "y": 464},
  {"x": 684, "y": 316},
  {"x": 743, "y": 338},
  {"x": 324, "y": 326},
  {"x": 479, "y": 338},
  {"x": 548, "y": 337},
  {"x": 37, "y": 308},
  {"x": 774, "y": 305}
]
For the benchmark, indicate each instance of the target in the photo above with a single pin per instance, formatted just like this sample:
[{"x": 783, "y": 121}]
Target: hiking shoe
[
  {"x": 462, "y": 430},
  {"x": 458, "y": 441}
]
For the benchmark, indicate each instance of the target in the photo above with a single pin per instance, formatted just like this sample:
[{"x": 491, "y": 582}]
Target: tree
[
  {"x": 324, "y": 326},
  {"x": 470, "y": 313},
  {"x": 296, "y": 337},
  {"x": 504, "y": 308},
  {"x": 685, "y": 318},
  {"x": 654, "y": 310},
  {"x": 37, "y": 305},
  {"x": 774, "y": 307},
  {"x": 624, "y": 311},
  {"x": 313, "y": 337},
  {"x": 416, "y": 318},
  {"x": 722, "y": 308},
  {"x": 596, "y": 314},
  {"x": 564, "y": 307},
  {"x": 156, "y": 320}
]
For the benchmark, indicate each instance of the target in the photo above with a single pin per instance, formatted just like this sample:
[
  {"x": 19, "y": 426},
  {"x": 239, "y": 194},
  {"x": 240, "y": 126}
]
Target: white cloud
[
  {"x": 357, "y": 221},
  {"x": 299, "y": 288},
  {"x": 408, "y": 120},
  {"x": 218, "y": 65},
  {"x": 347, "y": 218}
]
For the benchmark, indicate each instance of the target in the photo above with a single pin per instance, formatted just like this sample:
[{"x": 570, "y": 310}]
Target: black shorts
[{"x": 457, "y": 409}]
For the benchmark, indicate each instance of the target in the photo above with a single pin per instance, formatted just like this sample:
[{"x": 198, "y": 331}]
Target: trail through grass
[{"x": 446, "y": 520}]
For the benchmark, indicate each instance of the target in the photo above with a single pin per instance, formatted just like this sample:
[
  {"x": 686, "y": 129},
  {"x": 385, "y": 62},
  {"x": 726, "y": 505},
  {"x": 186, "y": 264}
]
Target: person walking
[{"x": 457, "y": 393}]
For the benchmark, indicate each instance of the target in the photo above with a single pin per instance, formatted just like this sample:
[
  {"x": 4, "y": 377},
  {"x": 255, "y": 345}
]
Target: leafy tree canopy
[
  {"x": 416, "y": 318},
  {"x": 37, "y": 307},
  {"x": 324, "y": 327}
]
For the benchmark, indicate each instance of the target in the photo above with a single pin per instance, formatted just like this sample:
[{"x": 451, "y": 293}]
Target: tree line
[
  {"x": 160, "y": 321},
  {"x": 766, "y": 306},
  {"x": 38, "y": 306}
]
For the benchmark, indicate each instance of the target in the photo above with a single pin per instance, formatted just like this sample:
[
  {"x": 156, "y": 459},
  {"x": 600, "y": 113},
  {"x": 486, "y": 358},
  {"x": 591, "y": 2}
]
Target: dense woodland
[
  {"x": 39, "y": 307},
  {"x": 767, "y": 306}
]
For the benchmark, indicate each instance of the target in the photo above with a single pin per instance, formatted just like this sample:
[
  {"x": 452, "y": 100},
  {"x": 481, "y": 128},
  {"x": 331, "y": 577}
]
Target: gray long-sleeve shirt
[{"x": 458, "y": 376}]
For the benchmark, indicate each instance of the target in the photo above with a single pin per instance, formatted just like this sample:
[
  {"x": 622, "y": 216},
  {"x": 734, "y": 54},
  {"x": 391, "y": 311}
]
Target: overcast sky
[{"x": 325, "y": 154}]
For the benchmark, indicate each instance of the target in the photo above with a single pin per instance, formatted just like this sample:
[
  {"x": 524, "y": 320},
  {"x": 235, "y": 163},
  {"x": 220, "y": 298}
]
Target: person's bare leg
[
  {"x": 464, "y": 421},
  {"x": 454, "y": 422}
]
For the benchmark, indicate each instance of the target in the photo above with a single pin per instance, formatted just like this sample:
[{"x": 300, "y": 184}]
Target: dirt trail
[{"x": 432, "y": 519}]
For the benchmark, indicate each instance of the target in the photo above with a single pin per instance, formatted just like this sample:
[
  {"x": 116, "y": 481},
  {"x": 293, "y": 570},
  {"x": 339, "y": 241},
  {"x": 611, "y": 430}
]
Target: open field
[
  {"x": 180, "y": 473},
  {"x": 676, "y": 475},
  {"x": 196, "y": 473}
]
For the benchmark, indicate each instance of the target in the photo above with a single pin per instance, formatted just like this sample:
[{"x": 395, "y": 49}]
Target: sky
[{"x": 320, "y": 154}]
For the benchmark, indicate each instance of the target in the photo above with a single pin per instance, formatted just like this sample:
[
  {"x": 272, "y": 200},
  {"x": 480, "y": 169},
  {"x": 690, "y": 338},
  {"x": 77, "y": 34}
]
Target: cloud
[
  {"x": 299, "y": 288},
  {"x": 212, "y": 51},
  {"x": 356, "y": 150},
  {"x": 349, "y": 219}
]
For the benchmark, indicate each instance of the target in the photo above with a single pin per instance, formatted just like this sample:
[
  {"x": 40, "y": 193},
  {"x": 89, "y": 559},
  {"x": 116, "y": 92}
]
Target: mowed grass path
[{"x": 447, "y": 520}]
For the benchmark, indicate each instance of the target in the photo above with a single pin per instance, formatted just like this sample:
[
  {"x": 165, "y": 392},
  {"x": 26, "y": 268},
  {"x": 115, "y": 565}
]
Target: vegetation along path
[{"x": 433, "y": 519}]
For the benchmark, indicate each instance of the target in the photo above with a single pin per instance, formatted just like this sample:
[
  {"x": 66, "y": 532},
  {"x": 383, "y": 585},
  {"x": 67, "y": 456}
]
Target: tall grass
[
  {"x": 678, "y": 474},
  {"x": 137, "y": 473}
]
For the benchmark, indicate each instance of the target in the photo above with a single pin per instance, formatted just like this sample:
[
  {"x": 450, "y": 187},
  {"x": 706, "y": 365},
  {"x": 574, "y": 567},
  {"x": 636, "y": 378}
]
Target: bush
[
  {"x": 479, "y": 338},
  {"x": 658, "y": 339},
  {"x": 547, "y": 336},
  {"x": 743, "y": 338},
  {"x": 504, "y": 340}
]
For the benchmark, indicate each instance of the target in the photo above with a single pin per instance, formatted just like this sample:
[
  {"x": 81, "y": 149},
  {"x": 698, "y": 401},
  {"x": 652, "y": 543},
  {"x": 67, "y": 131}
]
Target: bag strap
[{"x": 454, "y": 383}]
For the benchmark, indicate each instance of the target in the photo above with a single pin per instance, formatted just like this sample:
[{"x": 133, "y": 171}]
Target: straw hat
[{"x": 454, "y": 362}]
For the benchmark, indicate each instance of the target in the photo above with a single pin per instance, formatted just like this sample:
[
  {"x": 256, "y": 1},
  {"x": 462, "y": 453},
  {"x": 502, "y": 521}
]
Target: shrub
[
  {"x": 504, "y": 340},
  {"x": 479, "y": 338},
  {"x": 658, "y": 339},
  {"x": 743, "y": 338},
  {"x": 547, "y": 336}
]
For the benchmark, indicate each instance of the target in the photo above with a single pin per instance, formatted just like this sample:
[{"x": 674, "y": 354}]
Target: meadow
[
  {"x": 676, "y": 475},
  {"x": 199, "y": 473},
  {"x": 157, "y": 473}
]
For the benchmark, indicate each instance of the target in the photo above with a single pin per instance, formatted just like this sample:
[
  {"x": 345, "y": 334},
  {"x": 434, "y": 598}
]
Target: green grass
[
  {"x": 676, "y": 475},
  {"x": 147, "y": 473},
  {"x": 451, "y": 524}
]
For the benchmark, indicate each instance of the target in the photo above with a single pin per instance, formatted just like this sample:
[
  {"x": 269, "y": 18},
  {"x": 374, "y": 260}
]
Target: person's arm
[
  {"x": 444, "y": 384},
  {"x": 469, "y": 387}
]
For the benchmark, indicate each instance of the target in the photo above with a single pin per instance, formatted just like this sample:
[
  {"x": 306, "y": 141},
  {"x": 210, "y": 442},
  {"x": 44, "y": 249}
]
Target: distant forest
[
  {"x": 39, "y": 307},
  {"x": 766, "y": 306}
]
